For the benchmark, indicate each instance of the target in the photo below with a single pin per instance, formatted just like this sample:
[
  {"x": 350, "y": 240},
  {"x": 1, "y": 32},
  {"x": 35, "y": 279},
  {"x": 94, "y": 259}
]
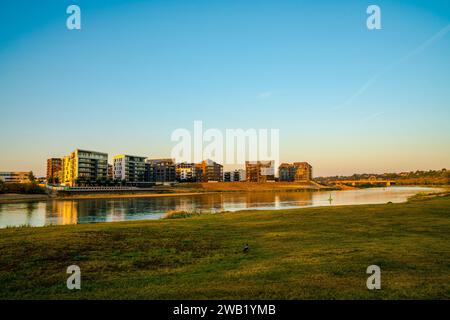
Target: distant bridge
[{"x": 364, "y": 181}]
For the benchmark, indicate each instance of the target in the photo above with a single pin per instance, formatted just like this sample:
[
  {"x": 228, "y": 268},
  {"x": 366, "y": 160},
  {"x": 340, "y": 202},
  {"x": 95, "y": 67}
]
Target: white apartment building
[{"x": 129, "y": 168}]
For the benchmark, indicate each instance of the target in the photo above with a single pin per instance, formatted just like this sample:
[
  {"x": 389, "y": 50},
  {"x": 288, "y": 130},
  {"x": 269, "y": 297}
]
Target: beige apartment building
[
  {"x": 298, "y": 172},
  {"x": 15, "y": 176},
  {"x": 54, "y": 167},
  {"x": 260, "y": 171}
]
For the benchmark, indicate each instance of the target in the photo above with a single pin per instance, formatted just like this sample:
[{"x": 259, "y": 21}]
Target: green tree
[
  {"x": 31, "y": 176},
  {"x": 79, "y": 181}
]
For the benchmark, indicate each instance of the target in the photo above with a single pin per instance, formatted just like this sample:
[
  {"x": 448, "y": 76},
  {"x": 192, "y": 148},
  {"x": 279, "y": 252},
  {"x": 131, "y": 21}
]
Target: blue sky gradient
[{"x": 345, "y": 98}]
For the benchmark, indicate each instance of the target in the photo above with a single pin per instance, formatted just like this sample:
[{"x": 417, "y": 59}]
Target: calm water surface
[{"x": 104, "y": 210}]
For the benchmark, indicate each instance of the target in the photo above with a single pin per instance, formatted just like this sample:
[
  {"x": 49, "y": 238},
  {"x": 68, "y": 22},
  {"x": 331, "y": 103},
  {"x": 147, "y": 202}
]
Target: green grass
[{"x": 315, "y": 253}]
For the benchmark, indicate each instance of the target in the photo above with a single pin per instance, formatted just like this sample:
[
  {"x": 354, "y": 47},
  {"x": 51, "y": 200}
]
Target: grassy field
[{"x": 315, "y": 253}]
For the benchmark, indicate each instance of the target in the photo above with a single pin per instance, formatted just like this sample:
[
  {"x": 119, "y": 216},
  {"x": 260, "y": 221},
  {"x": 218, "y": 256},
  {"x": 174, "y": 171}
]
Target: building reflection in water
[
  {"x": 294, "y": 199},
  {"x": 62, "y": 212},
  {"x": 105, "y": 210},
  {"x": 266, "y": 200}
]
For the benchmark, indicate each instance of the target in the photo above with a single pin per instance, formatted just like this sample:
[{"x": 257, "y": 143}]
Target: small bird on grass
[{"x": 246, "y": 248}]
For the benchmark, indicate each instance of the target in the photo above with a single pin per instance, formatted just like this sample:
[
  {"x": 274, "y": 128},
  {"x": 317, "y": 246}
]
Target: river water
[{"x": 58, "y": 212}]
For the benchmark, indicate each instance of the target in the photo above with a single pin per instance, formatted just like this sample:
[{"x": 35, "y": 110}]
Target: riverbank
[
  {"x": 308, "y": 253},
  {"x": 182, "y": 189},
  {"x": 14, "y": 197}
]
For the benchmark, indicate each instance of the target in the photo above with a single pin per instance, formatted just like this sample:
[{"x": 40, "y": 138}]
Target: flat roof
[
  {"x": 127, "y": 155},
  {"x": 91, "y": 151}
]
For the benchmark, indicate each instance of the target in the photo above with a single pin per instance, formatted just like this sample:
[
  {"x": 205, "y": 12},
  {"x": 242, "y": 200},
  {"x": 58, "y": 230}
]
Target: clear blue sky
[{"x": 346, "y": 99}]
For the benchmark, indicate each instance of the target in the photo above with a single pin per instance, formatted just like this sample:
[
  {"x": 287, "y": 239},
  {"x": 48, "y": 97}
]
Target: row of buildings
[
  {"x": 264, "y": 171},
  {"x": 84, "y": 167},
  {"x": 16, "y": 176}
]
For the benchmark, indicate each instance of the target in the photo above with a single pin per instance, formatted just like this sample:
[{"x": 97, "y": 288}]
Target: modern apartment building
[
  {"x": 234, "y": 176},
  {"x": 209, "y": 170},
  {"x": 186, "y": 172},
  {"x": 66, "y": 175},
  {"x": 298, "y": 172},
  {"x": 110, "y": 172},
  {"x": 239, "y": 175},
  {"x": 54, "y": 167},
  {"x": 304, "y": 171},
  {"x": 84, "y": 167},
  {"x": 260, "y": 171},
  {"x": 15, "y": 176},
  {"x": 286, "y": 172},
  {"x": 160, "y": 170},
  {"x": 227, "y": 176},
  {"x": 129, "y": 168}
]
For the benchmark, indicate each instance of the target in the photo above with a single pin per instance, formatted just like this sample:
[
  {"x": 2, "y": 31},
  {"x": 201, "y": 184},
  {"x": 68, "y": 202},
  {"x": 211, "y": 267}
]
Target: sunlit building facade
[
  {"x": 298, "y": 172},
  {"x": 15, "y": 176},
  {"x": 84, "y": 167},
  {"x": 186, "y": 172},
  {"x": 54, "y": 167},
  {"x": 208, "y": 171},
  {"x": 260, "y": 171}
]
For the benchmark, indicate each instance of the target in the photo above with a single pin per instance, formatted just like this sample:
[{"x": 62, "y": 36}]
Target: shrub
[
  {"x": 23, "y": 188},
  {"x": 174, "y": 214}
]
